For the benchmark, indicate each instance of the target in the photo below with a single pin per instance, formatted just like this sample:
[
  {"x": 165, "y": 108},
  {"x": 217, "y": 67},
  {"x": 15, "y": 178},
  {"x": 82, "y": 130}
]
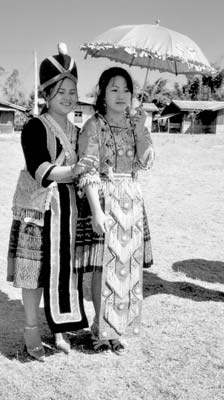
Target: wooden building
[
  {"x": 7, "y": 116},
  {"x": 151, "y": 110},
  {"x": 84, "y": 109},
  {"x": 184, "y": 116}
]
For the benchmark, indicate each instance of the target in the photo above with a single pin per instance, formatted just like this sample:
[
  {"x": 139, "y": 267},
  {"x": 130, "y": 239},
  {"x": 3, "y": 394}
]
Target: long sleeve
[
  {"x": 37, "y": 156},
  {"x": 87, "y": 167}
]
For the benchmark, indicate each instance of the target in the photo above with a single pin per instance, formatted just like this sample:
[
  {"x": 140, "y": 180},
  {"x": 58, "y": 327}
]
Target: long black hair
[{"x": 105, "y": 78}]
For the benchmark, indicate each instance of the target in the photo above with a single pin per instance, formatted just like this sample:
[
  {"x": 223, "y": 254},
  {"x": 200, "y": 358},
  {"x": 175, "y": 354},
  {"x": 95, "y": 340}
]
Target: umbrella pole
[{"x": 144, "y": 85}]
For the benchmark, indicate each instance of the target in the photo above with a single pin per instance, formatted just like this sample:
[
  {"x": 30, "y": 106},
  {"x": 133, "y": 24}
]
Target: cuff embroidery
[{"x": 41, "y": 171}]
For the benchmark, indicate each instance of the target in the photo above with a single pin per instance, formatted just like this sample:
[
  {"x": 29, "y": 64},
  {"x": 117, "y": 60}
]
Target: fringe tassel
[
  {"x": 29, "y": 216},
  {"x": 89, "y": 179}
]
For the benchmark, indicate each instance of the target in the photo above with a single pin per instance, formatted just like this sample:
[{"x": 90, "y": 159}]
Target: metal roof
[
  {"x": 7, "y": 105},
  {"x": 7, "y": 109},
  {"x": 166, "y": 116},
  {"x": 197, "y": 105},
  {"x": 87, "y": 100},
  {"x": 150, "y": 107}
]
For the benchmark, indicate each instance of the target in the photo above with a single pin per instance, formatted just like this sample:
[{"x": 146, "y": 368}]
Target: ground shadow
[
  {"x": 153, "y": 284},
  {"x": 12, "y": 327},
  {"x": 81, "y": 341},
  {"x": 204, "y": 270}
]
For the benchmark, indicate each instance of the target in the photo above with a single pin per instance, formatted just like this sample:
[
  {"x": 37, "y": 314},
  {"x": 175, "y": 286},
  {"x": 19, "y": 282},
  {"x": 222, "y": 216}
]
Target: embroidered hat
[{"x": 57, "y": 67}]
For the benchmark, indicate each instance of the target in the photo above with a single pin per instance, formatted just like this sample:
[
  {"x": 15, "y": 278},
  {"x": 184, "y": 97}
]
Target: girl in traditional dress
[
  {"x": 112, "y": 238},
  {"x": 41, "y": 248}
]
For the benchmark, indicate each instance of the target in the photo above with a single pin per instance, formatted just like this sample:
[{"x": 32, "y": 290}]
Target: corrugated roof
[
  {"x": 14, "y": 106},
  {"x": 87, "y": 100},
  {"x": 197, "y": 105},
  {"x": 166, "y": 116},
  {"x": 147, "y": 106},
  {"x": 6, "y": 108},
  {"x": 150, "y": 107}
]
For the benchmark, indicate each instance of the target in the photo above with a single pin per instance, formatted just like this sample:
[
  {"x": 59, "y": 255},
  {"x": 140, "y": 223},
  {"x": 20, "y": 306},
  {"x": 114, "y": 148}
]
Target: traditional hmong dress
[
  {"x": 123, "y": 251},
  {"x": 41, "y": 248}
]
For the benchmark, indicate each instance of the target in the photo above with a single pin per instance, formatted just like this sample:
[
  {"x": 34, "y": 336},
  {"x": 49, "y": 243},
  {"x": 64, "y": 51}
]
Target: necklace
[{"x": 116, "y": 122}]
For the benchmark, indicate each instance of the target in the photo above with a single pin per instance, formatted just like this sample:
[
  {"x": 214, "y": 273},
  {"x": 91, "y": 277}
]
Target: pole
[
  {"x": 144, "y": 85},
  {"x": 35, "y": 106}
]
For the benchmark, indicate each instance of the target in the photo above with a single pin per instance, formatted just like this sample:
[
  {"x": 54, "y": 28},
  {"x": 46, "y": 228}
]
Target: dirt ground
[{"x": 180, "y": 353}]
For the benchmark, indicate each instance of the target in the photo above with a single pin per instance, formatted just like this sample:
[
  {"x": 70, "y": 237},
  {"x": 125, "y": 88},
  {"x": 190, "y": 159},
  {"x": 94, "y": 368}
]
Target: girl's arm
[
  {"x": 87, "y": 170},
  {"x": 99, "y": 221},
  {"x": 144, "y": 147},
  {"x": 62, "y": 174}
]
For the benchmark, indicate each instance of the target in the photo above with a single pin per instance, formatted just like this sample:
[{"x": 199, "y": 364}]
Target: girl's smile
[{"x": 63, "y": 98}]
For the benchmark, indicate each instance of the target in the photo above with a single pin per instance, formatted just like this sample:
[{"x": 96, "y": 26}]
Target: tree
[
  {"x": 2, "y": 70},
  {"x": 205, "y": 87},
  {"x": 157, "y": 93},
  {"x": 12, "y": 89},
  {"x": 192, "y": 89},
  {"x": 177, "y": 92},
  {"x": 214, "y": 84}
]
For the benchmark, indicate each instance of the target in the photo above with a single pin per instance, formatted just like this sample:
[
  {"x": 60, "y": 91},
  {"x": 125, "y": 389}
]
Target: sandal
[
  {"x": 33, "y": 343},
  {"x": 62, "y": 342},
  {"x": 116, "y": 346},
  {"x": 99, "y": 345}
]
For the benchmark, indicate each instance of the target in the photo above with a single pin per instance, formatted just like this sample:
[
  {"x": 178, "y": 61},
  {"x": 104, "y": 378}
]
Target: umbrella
[{"x": 153, "y": 47}]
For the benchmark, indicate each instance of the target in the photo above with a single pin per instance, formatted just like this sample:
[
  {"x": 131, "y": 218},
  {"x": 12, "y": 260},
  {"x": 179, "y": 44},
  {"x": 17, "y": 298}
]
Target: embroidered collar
[{"x": 65, "y": 139}]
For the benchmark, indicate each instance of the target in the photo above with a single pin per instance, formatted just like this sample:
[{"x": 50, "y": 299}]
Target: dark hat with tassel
[{"x": 57, "y": 67}]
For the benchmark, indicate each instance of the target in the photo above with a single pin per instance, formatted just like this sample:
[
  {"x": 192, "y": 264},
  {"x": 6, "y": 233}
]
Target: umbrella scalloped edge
[{"x": 92, "y": 49}]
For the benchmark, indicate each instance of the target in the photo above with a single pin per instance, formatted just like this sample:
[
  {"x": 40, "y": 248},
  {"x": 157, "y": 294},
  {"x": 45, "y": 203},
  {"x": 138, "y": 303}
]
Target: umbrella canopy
[{"x": 149, "y": 46}]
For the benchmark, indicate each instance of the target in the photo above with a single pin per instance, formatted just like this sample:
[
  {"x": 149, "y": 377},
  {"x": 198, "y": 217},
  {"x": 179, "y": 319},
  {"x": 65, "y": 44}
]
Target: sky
[{"x": 27, "y": 26}]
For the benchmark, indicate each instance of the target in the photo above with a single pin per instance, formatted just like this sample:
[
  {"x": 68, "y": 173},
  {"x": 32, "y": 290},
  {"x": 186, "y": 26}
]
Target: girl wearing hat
[
  {"x": 41, "y": 248},
  {"x": 112, "y": 238}
]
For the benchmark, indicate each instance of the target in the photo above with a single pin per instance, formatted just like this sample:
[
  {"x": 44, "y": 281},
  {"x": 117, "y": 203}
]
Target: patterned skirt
[
  {"x": 121, "y": 254},
  {"x": 43, "y": 256},
  {"x": 89, "y": 247},
  {"x": 26, "y": 254}
]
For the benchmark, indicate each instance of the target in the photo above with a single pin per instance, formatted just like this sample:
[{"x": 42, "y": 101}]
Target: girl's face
[
  {"x": 117, "y": 95},
  {"x": 63, "y": 97}
]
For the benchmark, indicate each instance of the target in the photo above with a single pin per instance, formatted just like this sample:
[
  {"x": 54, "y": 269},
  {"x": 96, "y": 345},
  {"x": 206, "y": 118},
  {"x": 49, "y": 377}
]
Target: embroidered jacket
[
  {"x": 114, "y": 149},
  {"x": 45, "y": 145}
]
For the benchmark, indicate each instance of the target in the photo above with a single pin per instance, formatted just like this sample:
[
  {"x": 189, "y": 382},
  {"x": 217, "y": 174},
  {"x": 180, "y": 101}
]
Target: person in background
[
  {"x": 113, "y": 238},
  {"x": 41, "y": 247}
]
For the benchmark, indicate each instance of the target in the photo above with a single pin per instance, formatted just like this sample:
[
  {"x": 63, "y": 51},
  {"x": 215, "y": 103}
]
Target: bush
[{"x": 20, "y": 119}]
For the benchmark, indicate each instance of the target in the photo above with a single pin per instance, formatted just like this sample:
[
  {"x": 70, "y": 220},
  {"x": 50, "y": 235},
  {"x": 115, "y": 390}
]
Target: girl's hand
[
  {"x": 139, "y": 121},
  {"x": 99, "y": 222}
]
